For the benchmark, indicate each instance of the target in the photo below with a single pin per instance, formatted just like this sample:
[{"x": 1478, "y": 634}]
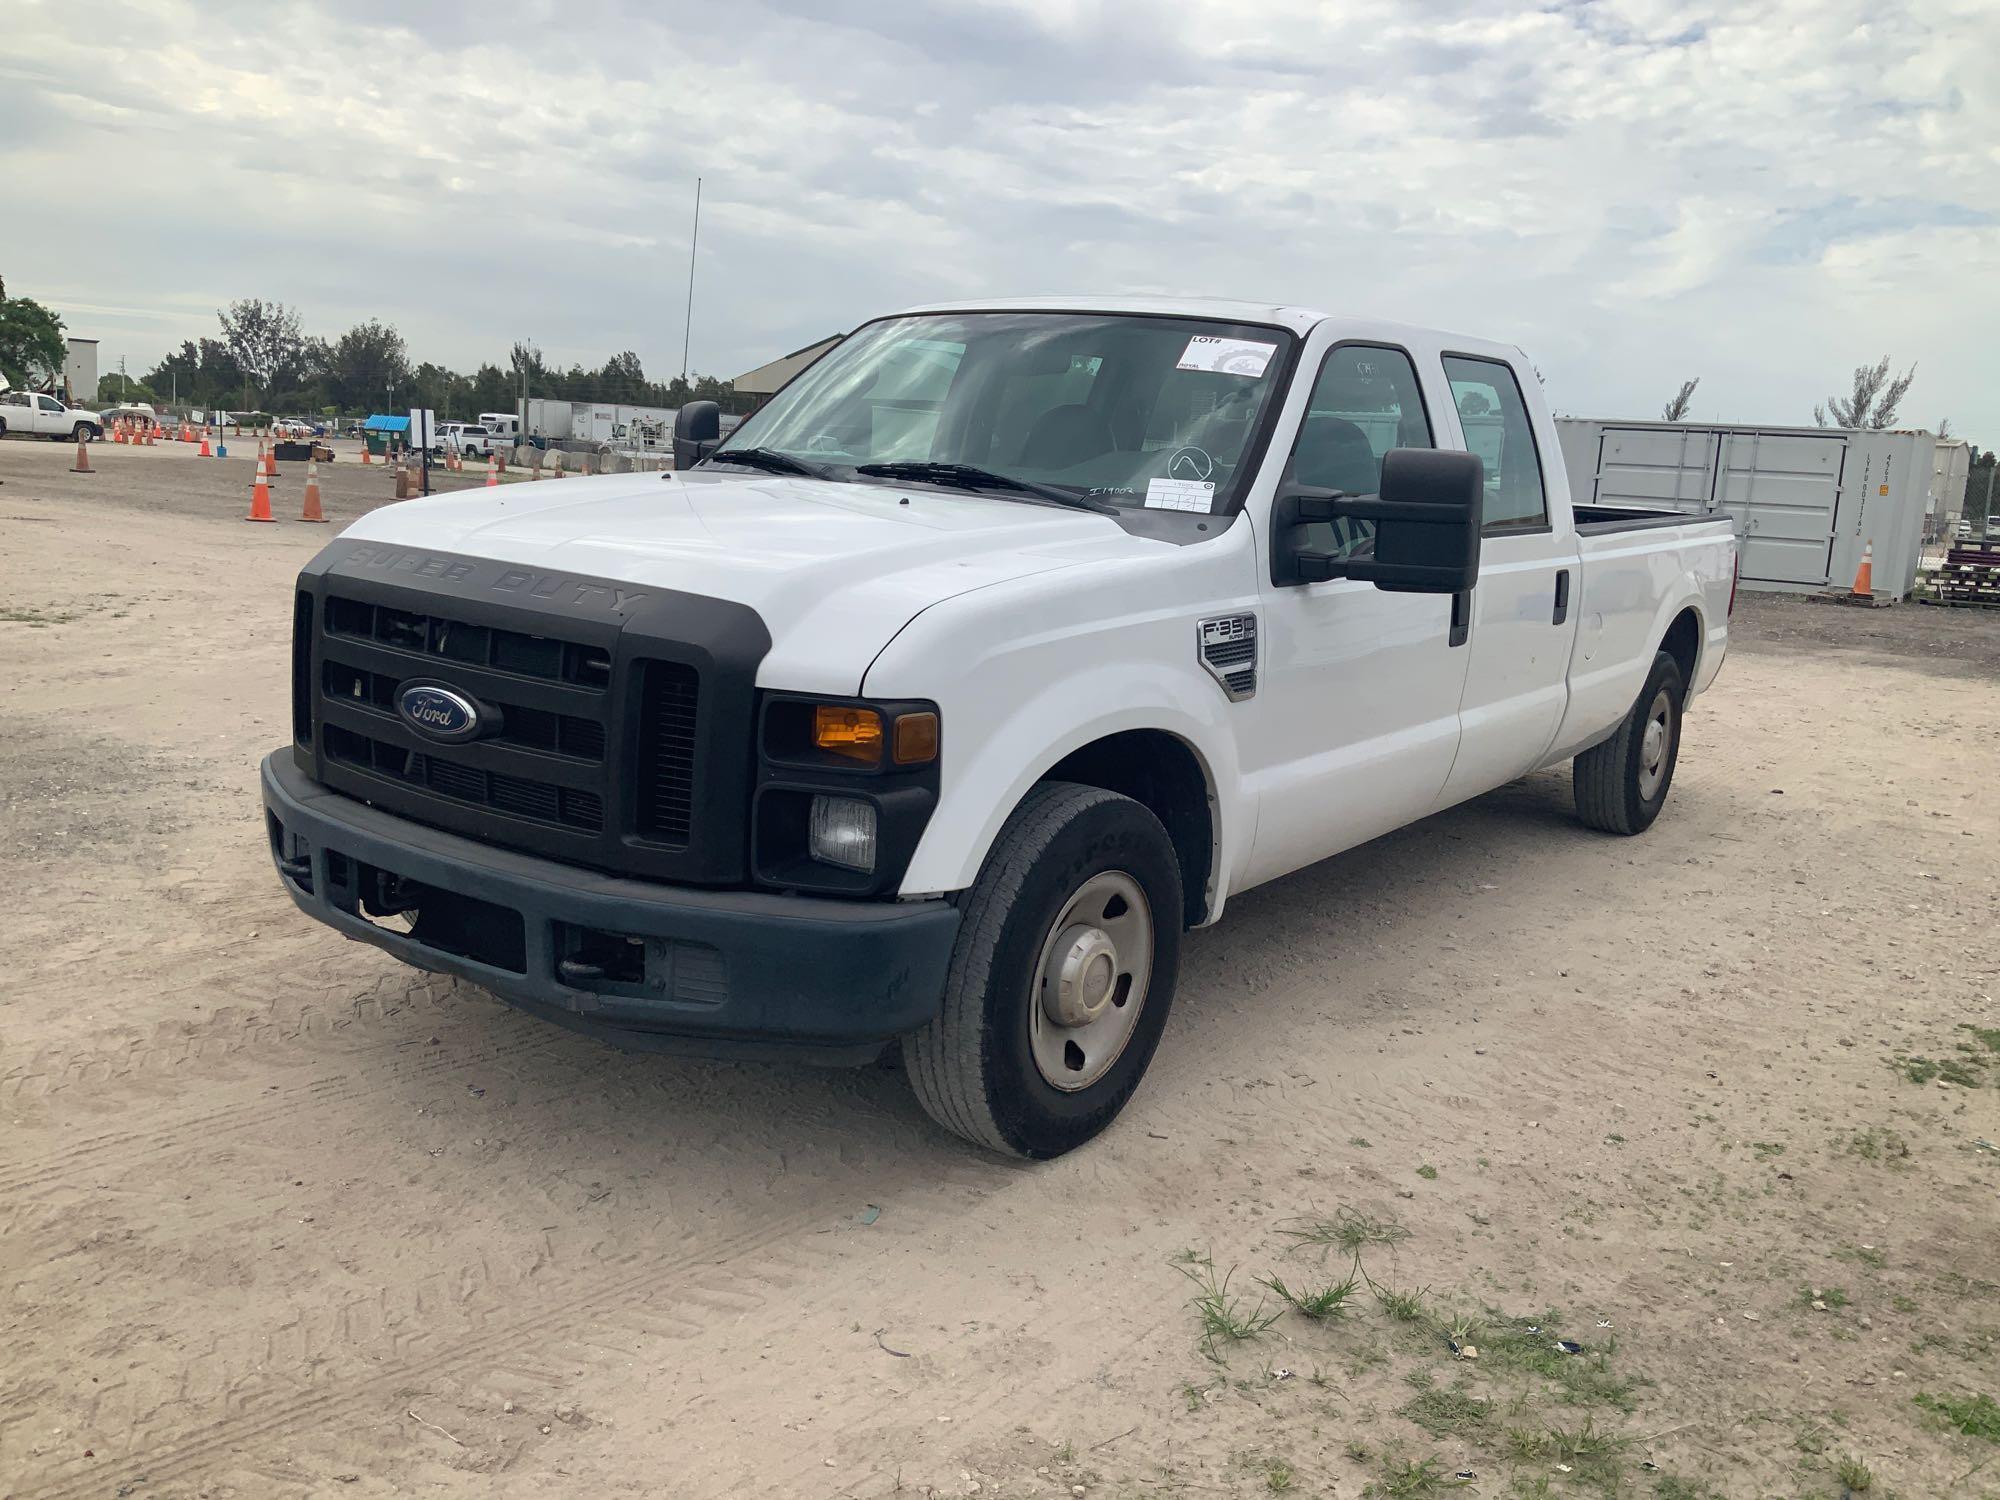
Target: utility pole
[{"x": 687, "y": 323}]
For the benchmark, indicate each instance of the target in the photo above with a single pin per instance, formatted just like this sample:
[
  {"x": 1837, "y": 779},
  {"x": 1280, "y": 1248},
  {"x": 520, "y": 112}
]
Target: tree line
[{"x": 262, "y": 359}]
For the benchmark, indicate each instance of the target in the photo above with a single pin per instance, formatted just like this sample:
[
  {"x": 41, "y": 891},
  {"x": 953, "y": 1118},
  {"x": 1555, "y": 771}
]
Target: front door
[
  {"x": 1524, "y": 609},
  {"x": 1354, "y": 729}
]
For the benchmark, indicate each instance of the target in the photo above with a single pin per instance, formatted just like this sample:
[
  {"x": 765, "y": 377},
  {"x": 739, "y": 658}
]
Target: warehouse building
[{"x": 764, "y": 381}]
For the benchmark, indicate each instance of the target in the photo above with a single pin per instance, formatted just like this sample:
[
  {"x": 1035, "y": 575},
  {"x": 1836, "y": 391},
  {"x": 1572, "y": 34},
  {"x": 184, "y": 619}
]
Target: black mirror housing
[
  {"x": 1426, "y": 526},
  {"x": 697, "y": 433}
]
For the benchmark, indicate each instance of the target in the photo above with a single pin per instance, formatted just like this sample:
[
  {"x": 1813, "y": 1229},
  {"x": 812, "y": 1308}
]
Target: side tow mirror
[
  {"x": 1426, "y": 526},
  {"x": 697, "y": 433}
]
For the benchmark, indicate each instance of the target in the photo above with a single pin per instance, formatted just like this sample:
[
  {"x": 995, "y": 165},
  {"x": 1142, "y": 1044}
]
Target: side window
[
  {"x": 1365, "y": 402},
  {"x": 1495, "y": 418},
  {"x": 49, "y": 403}
]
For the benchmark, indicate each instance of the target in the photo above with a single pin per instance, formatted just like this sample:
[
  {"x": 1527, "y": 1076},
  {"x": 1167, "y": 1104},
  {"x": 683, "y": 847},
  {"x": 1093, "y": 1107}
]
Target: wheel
[
  {"x": 1067, "y": 955},
  {"x": 1621, "y": 785},
  {"x": 83, "y": 433}
]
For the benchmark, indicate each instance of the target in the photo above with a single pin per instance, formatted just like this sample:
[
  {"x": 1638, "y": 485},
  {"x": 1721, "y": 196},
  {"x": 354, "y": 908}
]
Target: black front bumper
[{"x": 730, "y": 973}]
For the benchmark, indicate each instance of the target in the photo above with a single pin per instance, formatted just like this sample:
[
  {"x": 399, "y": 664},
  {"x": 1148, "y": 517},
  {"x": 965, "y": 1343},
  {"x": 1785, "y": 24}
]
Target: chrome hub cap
[
  {"x": 1653, "y": 748},
  {"x": 1090, "y": 983}
]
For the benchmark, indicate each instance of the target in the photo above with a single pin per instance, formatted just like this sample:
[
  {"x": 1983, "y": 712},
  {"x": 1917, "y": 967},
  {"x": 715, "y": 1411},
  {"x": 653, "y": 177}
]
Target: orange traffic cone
[
  {"x": 204, "y": 445},
  {"x": 1864, "y": 576},
  {"x": 585, "y": 469},
  {"x": 312, "y": 512},
  {"x": 260, "y": 499},
  {"x": 493, "y": 472},
  {"x": 534, "y": 472},
  {"x": 82, "y": 464}
]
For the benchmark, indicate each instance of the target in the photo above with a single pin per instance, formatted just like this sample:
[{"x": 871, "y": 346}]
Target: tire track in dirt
[
  {"x": 124, "y": 1149},
  {"x": 713, "y": 1279}
]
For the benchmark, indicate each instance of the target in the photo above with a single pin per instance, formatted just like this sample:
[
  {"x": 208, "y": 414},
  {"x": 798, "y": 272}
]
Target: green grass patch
[
  {"x": 1444, "y": 1413},
  {"x": 1428, "y": 1172},
  {"x": 1414, "y": 1479},
  {"x": 1348, "y": 1229},
  {"x": 1875, "y": 1143},
  {"x": 1225, "y": 1318},
  {"x": 1975, "y": 1416},
  {"x": 1315, "y": 1303}
]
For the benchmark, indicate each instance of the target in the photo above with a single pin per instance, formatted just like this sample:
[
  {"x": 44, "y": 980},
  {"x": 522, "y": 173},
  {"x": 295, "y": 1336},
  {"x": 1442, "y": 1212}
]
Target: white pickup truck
[
  {"x": 28, "y": 414},
  {"x": 1007, "y": 642}
]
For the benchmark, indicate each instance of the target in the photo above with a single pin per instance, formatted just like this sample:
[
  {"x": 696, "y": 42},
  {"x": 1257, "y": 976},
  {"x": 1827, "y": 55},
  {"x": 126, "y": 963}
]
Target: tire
[
  {"x": 83, "y": 432},
  {"x": 982, "y": 1068},
  {"x": 1622, "y": 784}
]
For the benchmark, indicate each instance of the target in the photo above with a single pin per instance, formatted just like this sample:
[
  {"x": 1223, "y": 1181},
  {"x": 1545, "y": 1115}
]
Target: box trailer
[
  {"x": 1806, "y": 500},
  {"x": 596, "y": 424}
]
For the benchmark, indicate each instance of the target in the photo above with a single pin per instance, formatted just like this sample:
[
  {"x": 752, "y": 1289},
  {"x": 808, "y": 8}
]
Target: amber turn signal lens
[
  {"x": 916, "y": 739},
  {"x": 853, "y": 732}
]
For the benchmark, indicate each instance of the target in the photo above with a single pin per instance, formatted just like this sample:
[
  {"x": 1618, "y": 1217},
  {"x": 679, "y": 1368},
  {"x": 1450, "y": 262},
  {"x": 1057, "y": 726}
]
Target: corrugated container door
[
  {"x": 1659, "y": 468},
  {"x": 1782, "y": 491}
]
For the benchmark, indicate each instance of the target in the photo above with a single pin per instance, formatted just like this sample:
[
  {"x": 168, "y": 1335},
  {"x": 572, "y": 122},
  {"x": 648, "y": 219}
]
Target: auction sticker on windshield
[
  {"x": 1180, "y": 494},
  {"x": 1226, "y": 356}
]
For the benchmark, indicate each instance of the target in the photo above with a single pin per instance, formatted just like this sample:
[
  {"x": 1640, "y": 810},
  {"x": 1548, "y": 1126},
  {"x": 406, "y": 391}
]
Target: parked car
[
  {"x": 30, "y": 414},
  {"x": 1001, "y": 646},
  {"x": 468, "y": 439}
]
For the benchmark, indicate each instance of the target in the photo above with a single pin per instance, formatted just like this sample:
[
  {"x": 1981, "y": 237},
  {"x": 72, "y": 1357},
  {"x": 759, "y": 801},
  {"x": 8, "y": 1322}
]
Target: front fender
[{"x": 986, "y": 780}]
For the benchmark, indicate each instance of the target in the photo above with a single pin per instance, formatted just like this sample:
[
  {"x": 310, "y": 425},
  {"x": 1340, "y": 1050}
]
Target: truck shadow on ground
[{"x": 576, "y": 1103}]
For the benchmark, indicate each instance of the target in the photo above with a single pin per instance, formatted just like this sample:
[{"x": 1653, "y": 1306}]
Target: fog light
[{"x": 843, "y": 833}]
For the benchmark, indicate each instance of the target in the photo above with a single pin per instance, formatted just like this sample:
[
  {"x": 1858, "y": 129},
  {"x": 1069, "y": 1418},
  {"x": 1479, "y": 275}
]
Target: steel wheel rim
[
  {"x": 1090, "y": 981},
  {"x": 1653, "y": 747}
]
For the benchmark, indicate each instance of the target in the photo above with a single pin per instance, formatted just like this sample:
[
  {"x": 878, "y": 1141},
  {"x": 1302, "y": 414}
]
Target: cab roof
[{"x": 1299, "y": 320}]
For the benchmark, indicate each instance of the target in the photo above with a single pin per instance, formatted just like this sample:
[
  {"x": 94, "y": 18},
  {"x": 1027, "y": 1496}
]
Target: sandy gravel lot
[{"x": 1719, "y": 1106}]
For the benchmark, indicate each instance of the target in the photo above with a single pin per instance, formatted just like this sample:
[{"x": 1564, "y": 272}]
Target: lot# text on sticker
[
  {"x": 1180, "y": 494},
  {"x": 1226, "y": 356}
]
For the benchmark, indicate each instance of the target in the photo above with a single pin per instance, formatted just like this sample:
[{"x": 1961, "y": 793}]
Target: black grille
[
  {"x": 667, "y": 717},
  {"x": 450, "y": 640},
  {"x": 624, "y": 739},
  {"x": 517, "y": 796},
  {"x": 531, "y": 728}
]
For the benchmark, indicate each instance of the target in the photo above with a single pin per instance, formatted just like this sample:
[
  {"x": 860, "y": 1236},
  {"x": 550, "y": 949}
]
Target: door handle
[
  {"x": 1461, "y": 618},
  {"x": 1562, "y": 596}
]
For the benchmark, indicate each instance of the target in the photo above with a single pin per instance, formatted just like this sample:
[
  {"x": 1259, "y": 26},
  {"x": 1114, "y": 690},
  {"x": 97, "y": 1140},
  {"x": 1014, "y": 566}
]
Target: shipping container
[
  {"x": 1951, "y": 466},
  {"x": 1806, "y": 500}
]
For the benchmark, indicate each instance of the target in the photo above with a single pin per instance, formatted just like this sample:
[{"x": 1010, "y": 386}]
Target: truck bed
[{"x": 1597, "y": 520}]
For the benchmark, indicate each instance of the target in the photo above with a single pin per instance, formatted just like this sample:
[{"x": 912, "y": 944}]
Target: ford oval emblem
[{"x": 439, "y": 713}]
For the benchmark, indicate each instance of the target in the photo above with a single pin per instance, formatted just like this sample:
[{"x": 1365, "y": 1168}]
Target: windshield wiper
[
  {"x": 971, "y": 477},
  {"x": 771, "y": 461}
]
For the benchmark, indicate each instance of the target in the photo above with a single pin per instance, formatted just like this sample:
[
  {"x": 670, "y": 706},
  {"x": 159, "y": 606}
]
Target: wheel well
[
  {"x": 1683, "y": 643},
  {"x": 1161, "y": 773}
]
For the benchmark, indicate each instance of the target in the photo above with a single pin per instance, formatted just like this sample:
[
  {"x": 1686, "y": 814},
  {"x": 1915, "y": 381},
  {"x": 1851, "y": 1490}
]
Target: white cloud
[{"x": 1634, "y": 190}]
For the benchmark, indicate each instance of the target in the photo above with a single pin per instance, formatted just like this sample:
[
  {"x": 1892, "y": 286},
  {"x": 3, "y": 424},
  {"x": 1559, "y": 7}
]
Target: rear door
[{"x": 1524, "y": 609}]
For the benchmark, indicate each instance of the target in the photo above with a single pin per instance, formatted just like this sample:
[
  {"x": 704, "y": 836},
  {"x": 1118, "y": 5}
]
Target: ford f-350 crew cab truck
[
  {"x": 1008, "y": 641},
  {"x": 28, "y": 414}
]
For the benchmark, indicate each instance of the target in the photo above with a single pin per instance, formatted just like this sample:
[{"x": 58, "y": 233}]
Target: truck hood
[{"x": 834, "y": 570}]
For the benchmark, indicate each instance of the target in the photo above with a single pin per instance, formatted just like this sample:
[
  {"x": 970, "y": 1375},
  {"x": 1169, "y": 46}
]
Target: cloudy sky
[{"x": 1762, "y": 193}]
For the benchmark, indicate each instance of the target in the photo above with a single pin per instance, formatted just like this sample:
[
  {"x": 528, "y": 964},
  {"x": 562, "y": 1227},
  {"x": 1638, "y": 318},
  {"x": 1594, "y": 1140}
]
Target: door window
[
  {"x": 1365, "y": 402},
  {"x": 48, "y": 403},
  {"x": 1494, "y": 415}
]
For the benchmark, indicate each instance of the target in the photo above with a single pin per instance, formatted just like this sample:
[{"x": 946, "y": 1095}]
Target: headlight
[
  {"x": 844, "y": 790},
  {"x": 842, "y": 832}
]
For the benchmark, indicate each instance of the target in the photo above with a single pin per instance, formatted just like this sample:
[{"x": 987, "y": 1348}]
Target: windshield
[{"x": 1163, "y": 413}]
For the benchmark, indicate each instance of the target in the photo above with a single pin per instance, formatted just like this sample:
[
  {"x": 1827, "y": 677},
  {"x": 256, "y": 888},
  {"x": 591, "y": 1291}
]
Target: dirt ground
[{"x": 280, "y": 1217}]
